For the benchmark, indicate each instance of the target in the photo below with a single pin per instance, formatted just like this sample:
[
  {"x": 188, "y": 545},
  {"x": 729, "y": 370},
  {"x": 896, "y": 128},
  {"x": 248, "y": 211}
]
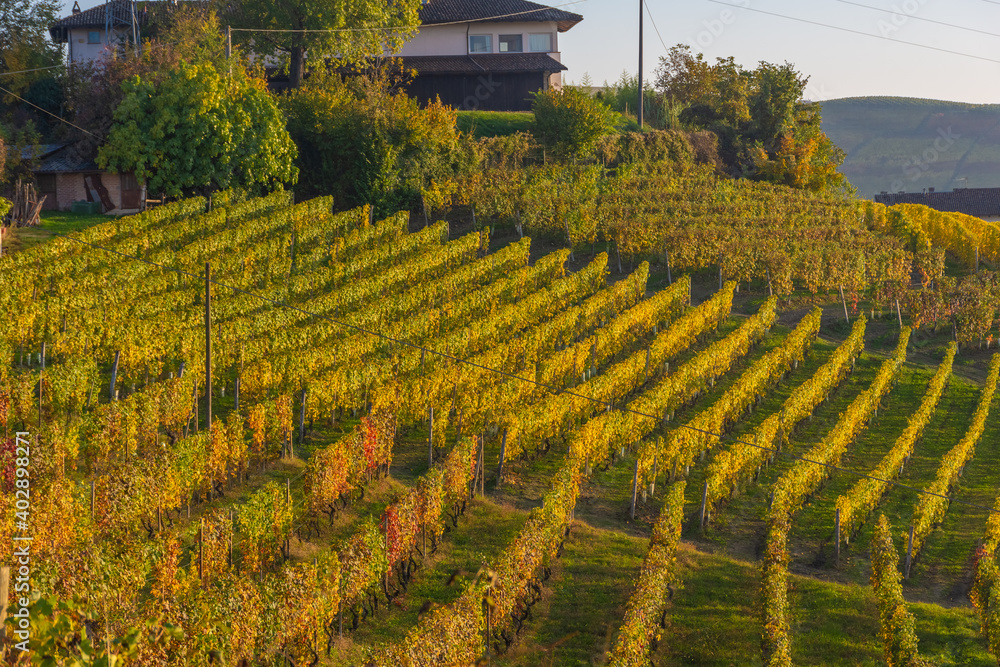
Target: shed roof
[
  {"x": 484, "y": 63},
  {"x": 979, "y": 202},
  {"x": 461, "y": 11}
]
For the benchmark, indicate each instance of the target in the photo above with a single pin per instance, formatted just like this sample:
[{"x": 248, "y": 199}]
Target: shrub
[{"x": 570, "y": 121}]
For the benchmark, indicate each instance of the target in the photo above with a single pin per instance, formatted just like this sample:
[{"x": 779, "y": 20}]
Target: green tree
[
  {"x": 194, "y": 130},
  {"x": 348, "y": 32},
  {"x": 363, "y": 141},
  {"x": 766, "y": 130},
  {"x": 570, "y": 121}
]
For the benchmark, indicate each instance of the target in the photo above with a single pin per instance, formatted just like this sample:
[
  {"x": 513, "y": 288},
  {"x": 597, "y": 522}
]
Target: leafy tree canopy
[
  {"x": 363, "y": 141},
  {"x": 194, "y": 130},
  {"x": 766, "y": 129},
  {"x": 348, "y": 32}
]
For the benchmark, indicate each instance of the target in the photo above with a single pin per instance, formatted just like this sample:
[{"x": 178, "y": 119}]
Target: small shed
[{"x": 65, "y": 178}]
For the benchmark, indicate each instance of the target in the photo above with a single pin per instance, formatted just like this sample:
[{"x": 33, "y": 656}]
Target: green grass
[
  {"x": 714, "y": 620},
  {"x": 494, "y": 123},
  {"x": 58, "y": 222}
]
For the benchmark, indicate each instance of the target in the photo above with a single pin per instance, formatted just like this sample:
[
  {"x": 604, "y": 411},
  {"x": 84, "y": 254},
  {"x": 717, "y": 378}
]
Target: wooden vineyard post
[
  {"x": 652, "y": 483},
  {"x": 43, "y": 355},
  {"x": 208, "y": 346},
  {"x": 91, "y": 500},
  {"x": 767, "y": 272},
  {"x": 837, "y": 542},
  {"x": 201, "y": 552},
  {"x": 844, "y": 302},
  {"x": 503, "y": 451},
  {"x": 909, "y": 554},
  {"x": 482, "y": 465},
  {"x": 647, "y": 364},
  {"x": 899, "y": 314},
  {"x": 704, "y": 501},
  {"x": 4, "y": 591},
  {"x": 114, "y": 376},
  {"x": 40, "y": 399},
  {"x": 486, "y": 603},
  {"x": 288, "y": 501},
  {"x": 302, "y": 419},
  {"x": 385, "y": 577},
  {"x": 232, "y": 529},
  {"x": 635, "y": 483},
  {"x": 670, "y": 279},
  {"x": 430, "y": 439},
  {"x": 236, "y": 394}
]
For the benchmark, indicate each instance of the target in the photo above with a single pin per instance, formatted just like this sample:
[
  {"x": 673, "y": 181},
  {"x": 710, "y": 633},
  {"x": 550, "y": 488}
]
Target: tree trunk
[{"x": 297, "y": 67}]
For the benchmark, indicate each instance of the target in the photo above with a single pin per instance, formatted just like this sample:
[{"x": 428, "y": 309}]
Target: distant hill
[{"x": 907, "y": 144}]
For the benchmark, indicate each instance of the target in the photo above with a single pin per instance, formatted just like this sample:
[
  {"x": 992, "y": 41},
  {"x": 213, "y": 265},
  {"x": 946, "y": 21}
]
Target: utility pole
[{"x": 640, "y": 64}]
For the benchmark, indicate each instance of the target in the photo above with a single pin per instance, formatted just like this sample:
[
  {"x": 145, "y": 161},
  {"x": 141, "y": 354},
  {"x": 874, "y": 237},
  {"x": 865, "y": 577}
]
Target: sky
[{"x": 962, "y": 66}]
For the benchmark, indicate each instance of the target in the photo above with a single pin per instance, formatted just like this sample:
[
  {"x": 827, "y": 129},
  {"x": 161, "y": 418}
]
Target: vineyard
[{"x": 265, "y": 432}]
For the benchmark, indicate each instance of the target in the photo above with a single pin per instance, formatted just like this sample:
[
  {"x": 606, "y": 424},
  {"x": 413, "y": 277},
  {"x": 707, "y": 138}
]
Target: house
[
  {"x": 64, "y": 178},
  {"x": 486, "y": 55},
  {"x": 93, "y": 33},
  {"x": 978, "y": 202}
]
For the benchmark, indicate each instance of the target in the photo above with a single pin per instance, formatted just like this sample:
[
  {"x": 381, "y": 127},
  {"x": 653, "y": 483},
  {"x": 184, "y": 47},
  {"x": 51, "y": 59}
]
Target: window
[
  {"x": 46, "y": 183},
  {"x": 94, "y": 37},
  {"x": 510, "y": 44},
  {"x": 480, "y": 43},
  {"x": 541, "y": 42}
]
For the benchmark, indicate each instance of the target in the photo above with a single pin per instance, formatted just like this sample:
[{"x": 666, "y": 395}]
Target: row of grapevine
[
  {"x": 742, "y": 459},
  {"x": 896, "y": 623},
  {"x": 455, "y": 634},
  {"x": 339, "y": 468},
  {"x": 679, "y": 449},
  {"x": 864, "y": 496},
  {"x": 550, "y": 416},
  {"x": 647, "y": 604},
  {"x": 933, "y": 504},
  {"x": 985, "y": 592},
  {"x": 791, "y": 490}
]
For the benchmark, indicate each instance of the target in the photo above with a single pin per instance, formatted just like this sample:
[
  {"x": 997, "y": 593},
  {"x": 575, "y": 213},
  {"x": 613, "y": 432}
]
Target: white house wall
[
  {"x": 450, "y": 40},
  {"x": 79, "y": 51}
]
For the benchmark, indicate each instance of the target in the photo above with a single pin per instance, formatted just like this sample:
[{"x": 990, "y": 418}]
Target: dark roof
[
  {"x": 65, "y": 161},
  {"x": 95, "y": 17},
  {"x": 39, "y": 151},
  {"x": 978, "y": 202},
  {"x": 460, "y": 11},
  {"x": 480, "y": 63}
]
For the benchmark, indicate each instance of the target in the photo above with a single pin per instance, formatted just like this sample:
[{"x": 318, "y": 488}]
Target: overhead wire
[
  {"x": 912, "y": 17},
  {"x": 857, "y": 32}
]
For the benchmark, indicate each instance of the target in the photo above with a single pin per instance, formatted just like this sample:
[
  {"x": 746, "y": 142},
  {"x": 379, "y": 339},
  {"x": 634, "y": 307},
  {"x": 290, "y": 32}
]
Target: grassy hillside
[{"x": 898, "y": 143}]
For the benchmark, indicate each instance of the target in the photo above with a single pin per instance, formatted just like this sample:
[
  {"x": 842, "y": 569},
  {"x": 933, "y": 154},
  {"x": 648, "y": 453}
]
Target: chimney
[
  {"x": 931, "y": 190},
  {"x": 76, "y": 8}
]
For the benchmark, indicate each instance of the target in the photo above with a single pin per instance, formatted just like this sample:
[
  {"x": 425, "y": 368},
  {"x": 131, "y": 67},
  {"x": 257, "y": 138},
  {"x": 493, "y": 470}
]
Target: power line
[
  {"x": 407, "y": 27},
  {"x": 919, "y": 18},
  {"x": 37, "y": 69},
  {"x": 858, "y": 32},
  {"x": 59, "y": 118},
  {"x": 653, "y": 21},
  {"x": 608, "y": 405}
]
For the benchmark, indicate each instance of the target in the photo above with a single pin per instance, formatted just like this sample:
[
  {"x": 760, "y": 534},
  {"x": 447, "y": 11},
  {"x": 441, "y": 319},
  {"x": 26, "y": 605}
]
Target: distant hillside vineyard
[{"x": 904, "y": 144}]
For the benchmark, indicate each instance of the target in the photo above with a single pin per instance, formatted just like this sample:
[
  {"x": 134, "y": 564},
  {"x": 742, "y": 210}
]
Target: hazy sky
[{"x": 839, "y": 63}]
